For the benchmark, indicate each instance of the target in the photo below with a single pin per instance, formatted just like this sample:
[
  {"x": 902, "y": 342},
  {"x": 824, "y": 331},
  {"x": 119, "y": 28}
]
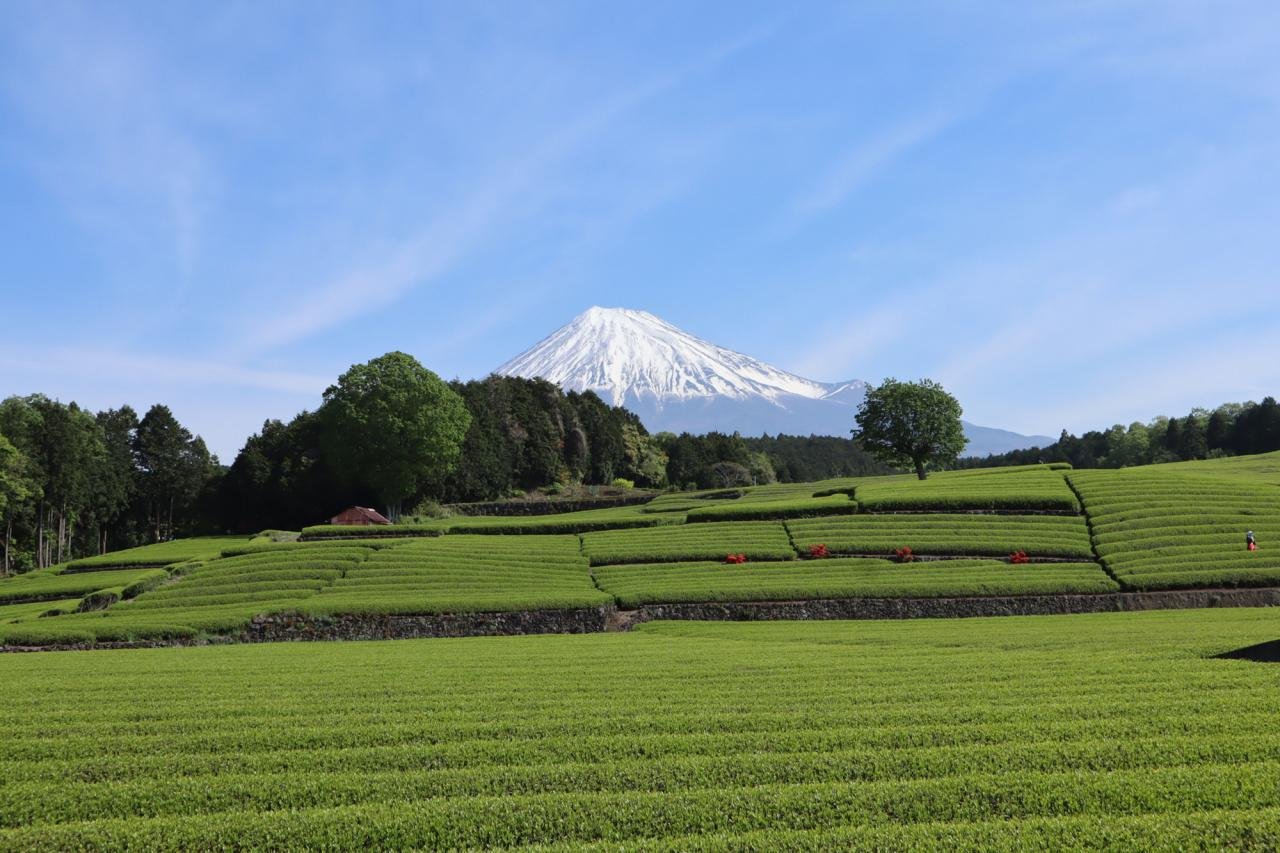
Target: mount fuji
[{"x": 678, "y": 382}]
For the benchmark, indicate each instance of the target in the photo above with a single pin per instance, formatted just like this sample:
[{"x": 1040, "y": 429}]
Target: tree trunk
[
  {"x": 920, "y": 472},
  {"x": 8, "y": 538},
  {"x": 62, "y": 533},
  {"x": 40, "y": 535}
]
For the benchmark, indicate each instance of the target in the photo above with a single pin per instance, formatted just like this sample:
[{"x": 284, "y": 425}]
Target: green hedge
[
  {"x": 759, "y": 540},
  {"x": 634, "y": 585}
]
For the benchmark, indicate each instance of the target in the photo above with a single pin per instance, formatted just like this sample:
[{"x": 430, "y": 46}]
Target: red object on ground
[
  {"x": 359, "y": 515},
  {"x": 1019, "y": 557},
  {"x": 736, "y": 559},
  {"x": 905, "y": 555},
  {"x": 818, "y": 551}
]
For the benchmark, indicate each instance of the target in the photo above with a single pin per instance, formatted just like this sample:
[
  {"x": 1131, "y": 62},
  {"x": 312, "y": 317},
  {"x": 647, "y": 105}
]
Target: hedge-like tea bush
[
  {"x": 459, "y": 574},
  {"x": 759, "y": 540},
  {"x": 634, "y": 585},
  {"x": 608, "y": 518},
  {"x": 837, "y": 504},
  {"x": 947, "y": 535},
  {"x": 48, "y": 584},
  {"x": 1038, "y": 488},
  {"x": 159, "y": 554},
  {"x": 35, "y": 609},
  {"x": 1162, "y": 528}
]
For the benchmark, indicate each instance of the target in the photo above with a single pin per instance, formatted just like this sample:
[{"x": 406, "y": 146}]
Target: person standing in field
[{"x": 1249, "y": 541}]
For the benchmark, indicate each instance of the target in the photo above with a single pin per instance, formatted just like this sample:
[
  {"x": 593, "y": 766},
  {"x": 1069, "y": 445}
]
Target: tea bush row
[
  {"x": 1159, "y": 528},
  {"x": 1110, "y": 729},
  {"x": 634, "y": 585},
  {"x": 943, "y": 534},
  {"x": 159, "y": 554},
  {"x": 460, "y": 573},
  {"x": 1029, "y": 488},
  {"x": 50, "y": 584},
  {"x": 759, "y": 540}
]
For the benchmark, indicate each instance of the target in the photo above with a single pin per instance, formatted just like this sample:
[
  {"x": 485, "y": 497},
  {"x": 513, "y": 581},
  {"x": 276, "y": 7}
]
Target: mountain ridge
[{"x": 678, "y": 382}]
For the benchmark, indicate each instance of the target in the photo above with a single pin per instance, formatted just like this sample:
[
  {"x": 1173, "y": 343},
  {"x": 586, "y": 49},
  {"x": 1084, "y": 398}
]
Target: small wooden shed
[{"x": 359, "y": 515}]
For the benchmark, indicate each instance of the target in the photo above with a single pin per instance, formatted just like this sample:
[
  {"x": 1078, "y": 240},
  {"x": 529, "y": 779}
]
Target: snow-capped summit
[
  {"x": 678, "y": 382},
  {"x": 630, "y": 356}
]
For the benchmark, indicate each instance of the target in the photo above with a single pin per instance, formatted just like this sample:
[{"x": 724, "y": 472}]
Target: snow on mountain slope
[
  {"x": 630, "y": 355},
  {"x": 678, "y": 382}
]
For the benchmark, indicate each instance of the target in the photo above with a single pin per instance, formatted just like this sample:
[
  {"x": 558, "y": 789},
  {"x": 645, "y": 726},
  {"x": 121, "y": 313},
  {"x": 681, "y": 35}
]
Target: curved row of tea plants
[
  {"x": 611, "y": 518},
  {"x": 943, "y": 534},
  {"x": 1020, "y": 489},
  {"x": 462, "y": 574},
  {"x": 758, "y": 540},
  {"x": 53, "y": 584},
  {"x": 216, "y": 597},
  {"x": 157, "y": 555},
  {"x": 664, "y": 583},
  {"x": 1116, "y": 730},
  {"x": 1161, "y": 529}
]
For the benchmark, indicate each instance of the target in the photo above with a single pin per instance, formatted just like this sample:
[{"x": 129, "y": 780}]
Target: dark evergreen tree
[{"x": 1218, "y": 432}]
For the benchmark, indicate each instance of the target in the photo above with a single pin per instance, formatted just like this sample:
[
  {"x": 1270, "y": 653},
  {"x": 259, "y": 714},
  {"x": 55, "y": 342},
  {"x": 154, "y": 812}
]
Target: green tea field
[
  {"x": 1039, "y": 530},
  {"x": 1117, "y": 731}
]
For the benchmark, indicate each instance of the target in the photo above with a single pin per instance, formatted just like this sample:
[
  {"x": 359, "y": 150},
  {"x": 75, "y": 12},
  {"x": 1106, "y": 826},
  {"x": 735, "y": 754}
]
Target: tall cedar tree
[
  {"x": 16, "y": 487},
  {"x": 173, "y": 467}
]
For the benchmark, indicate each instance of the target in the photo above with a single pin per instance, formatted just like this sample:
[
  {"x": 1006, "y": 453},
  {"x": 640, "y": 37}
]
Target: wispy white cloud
[
  {"x": 840, "y": 349},
  {"x": 520, "y": 186},
  {"x": 865, "y": 161},
  {"x": 111, "y": 138},
  {"x": 80, "y": 362}
]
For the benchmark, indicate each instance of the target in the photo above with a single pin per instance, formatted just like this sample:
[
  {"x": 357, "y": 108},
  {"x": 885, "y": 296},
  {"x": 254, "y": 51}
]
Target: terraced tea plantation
[
  {"x": 1116, "y": 731},
  {"x": 465, "y": 574},
  {"x": 1165, "y": 530},
  {"x": 1033, "y": 530}
]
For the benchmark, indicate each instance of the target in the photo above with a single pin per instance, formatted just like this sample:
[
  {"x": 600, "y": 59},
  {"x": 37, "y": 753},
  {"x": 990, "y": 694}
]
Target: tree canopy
[
  {"x": 911, "y": 423},
  {"x": 391, "y": 424}
]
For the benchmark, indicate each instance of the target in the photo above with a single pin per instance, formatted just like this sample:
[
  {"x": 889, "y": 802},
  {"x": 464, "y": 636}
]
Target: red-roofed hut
[{"x": 359, "y": 515}]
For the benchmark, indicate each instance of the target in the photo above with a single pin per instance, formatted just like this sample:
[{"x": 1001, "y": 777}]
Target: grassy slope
[{"x": 1110, "y": 730}]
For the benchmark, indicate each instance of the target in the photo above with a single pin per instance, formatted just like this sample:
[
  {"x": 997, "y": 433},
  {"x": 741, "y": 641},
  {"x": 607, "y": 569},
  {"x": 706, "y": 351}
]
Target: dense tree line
[
  {"x": 73, "y": 482},
  {"x": 520, "y": 434},
  {"x": 392, "y": 433},
  {"x": 528, "y": 433},
  {"x": 1229, "y": 430},
  {"x": 804, "y": 459}
]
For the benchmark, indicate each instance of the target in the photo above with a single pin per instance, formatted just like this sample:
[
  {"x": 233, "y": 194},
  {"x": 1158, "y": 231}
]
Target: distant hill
[{"x": 678, "y": 382}]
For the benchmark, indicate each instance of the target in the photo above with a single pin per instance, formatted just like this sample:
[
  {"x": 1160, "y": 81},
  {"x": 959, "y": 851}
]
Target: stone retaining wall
[
  {"x": 949, "y": 608},
  {"x": 551, "y": 506},
  {"x": 286, "y": 626}
]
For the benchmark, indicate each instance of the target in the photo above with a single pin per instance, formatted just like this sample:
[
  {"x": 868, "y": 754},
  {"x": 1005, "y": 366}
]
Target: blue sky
[{"x": 1066, "y": 212}]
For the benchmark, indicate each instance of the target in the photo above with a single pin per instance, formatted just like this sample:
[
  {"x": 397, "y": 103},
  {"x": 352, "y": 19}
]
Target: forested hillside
[{"x": 73, "y": 482}]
